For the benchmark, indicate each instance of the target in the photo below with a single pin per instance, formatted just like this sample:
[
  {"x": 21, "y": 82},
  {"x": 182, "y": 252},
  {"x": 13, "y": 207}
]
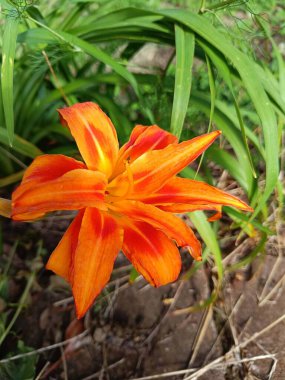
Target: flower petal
[
  {"x": 74, "y": 190},
  {"x": 99, "y": 242},
  {"x": 61, "y": 259},
  {"x": 182, "y": 208},
  {"x": 143, "y": 139},
  {"x": 152, "y": 253},
  {"x": 94, "y": 134},
  {"x": 50, "y": 166},
  {"x": 5, "y": 207},
  {"x": 154, "y": 168},
  {"x": 182, "y": 195},
  {"x": 168, "y": 223}
]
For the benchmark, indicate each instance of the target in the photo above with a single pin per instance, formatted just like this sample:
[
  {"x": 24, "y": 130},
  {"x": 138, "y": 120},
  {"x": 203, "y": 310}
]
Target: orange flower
[{"x": 125, "y": 199}]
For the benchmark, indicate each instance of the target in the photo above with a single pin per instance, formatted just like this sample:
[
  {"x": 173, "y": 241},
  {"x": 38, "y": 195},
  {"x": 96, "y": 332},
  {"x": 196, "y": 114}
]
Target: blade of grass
[
  {"x": 7, "y": 69},
  {"x": 225, "y": 73},
  {"x": 20, "y": 145},
  {"x": 81, "y": 45},
  {"x": 208, "y": 235},
  {"x": 213, "y": 100},
  {"x": 13, "y": 178},
  {"x": 185, "y": 45},
  {"x": 255, "y": 89},
  {"x": 202, "y": 102}
]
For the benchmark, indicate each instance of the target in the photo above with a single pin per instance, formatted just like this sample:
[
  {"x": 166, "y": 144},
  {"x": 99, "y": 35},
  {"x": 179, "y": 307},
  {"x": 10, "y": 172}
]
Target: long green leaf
[
  {"x": 185, "y": 44},
  {"x": 8, "y": 55},
  {"x": 225, "y": 73},
  {"x": 94, "y": 51},
  {"x": 209, "y": 237},
  {"x": 20, "y": 145},
  {"x": 250, "y": 78}
]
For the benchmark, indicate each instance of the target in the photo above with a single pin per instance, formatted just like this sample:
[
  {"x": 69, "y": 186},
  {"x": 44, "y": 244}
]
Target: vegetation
[{"x": 223, "y": 69}]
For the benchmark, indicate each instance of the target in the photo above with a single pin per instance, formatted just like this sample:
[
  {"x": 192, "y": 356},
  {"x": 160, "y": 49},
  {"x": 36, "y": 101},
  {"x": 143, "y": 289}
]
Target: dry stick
[
  {"x": 232, "y": 326},
  {"x": 276, "y": 265},
  {"x": 187, "y": 371},
  {"x": 240, "y": 248},
  {"x": 171, "y": 307},
  {"x": 111, "y": 366},
  {"x": 44, "y": 349},
  {"x": 58, "y": 85},
  {"x": 241, "y": 297},
  {"x": 275, "y": 360},
  {"x": 217, "y": 361},
  {"x": 270, "y": 277},
  {"x": 206, "y": 319},
  {"x": 42, "y": 371},
  {"x": 64, "y": 363},
  {"x": 155, "y": 331},
  {"x": 272, "y": 291}
]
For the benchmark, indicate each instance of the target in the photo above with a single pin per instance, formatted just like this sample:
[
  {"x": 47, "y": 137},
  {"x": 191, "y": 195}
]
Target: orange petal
[
  {"x": 60, "y": 261},
  {"x": 74, "y": 190},
  {"x": 94, "y": 134},
  {"x": 152, "y": 253},
  {"x": 182, "y": 195},
  {"x": 154, "y": 168},
  {"x": 168, "y": 223},
  {"x": 5, "y": 207},
  {"x": 181, "y": 208},
  {"x": 143, "y": 139},
  {"x": 99, "y": 242},
  {"x": 50, "y": 166}
]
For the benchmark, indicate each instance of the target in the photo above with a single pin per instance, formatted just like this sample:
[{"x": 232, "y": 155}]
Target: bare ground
[{"x": 135, "y": 331}]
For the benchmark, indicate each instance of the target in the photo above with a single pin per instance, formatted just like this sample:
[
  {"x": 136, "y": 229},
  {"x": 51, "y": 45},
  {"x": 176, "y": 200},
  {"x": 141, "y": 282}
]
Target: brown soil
[{"x": 134, "y": 330}]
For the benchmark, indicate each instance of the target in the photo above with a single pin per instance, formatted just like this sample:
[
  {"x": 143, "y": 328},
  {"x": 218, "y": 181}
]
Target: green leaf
[
  {"x": 81, "y": 45},
  {"x": 8, "y": 55},
  {"x": 208, "y": 235},
  {"x": 251, "y": 80},
  {"x": 225, "y": 73},
  {"x": 185, "y": 45},
  {"x": 12, "y": 178},
  {"x": 20, "y": 145},
  {"x": 202, "y": 103}
]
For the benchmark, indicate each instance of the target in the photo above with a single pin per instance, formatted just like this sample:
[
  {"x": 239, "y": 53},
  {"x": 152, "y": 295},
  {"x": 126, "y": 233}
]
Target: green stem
[
  {"x": 202, "y": 6},
  {"x": 51, "y": 31},
  {"x": 220, "y": 5},
  {"x": 19, "y": 308}
]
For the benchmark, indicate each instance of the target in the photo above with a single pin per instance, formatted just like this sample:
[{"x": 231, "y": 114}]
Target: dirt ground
[{"x": 135, "y": 331}]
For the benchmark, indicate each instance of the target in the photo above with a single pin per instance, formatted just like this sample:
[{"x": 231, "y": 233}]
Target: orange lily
[{"x": 125, "y": 199}]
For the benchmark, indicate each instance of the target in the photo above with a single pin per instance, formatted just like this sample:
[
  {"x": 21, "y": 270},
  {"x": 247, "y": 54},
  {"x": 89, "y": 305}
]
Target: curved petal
[
  {"x": 151, "y": 253},
  {"x": 182, "y": 208},
  {"x": 94, "y": 134},
  {"x": 142, "y": 139},
  {"x": 60, "y": 261},
  {"x": 74, "y": 190},
  {"x": 99, "y": 241},
  {"x": 182, "y": 195},
  {"x": 154, "y": 168},
  {"x": 168, "y": 223},
  {"x": 50, "y": 166}
]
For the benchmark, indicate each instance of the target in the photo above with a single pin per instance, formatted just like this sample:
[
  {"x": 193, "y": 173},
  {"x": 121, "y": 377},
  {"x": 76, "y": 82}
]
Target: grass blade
[
  {"x": 209, "y": 237},
  {"x": 8, "y": 55},
  {"x": 247, "y": 71},
  {"x": 185, "y": 44},
  {"x": 20, "y": 145}
]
